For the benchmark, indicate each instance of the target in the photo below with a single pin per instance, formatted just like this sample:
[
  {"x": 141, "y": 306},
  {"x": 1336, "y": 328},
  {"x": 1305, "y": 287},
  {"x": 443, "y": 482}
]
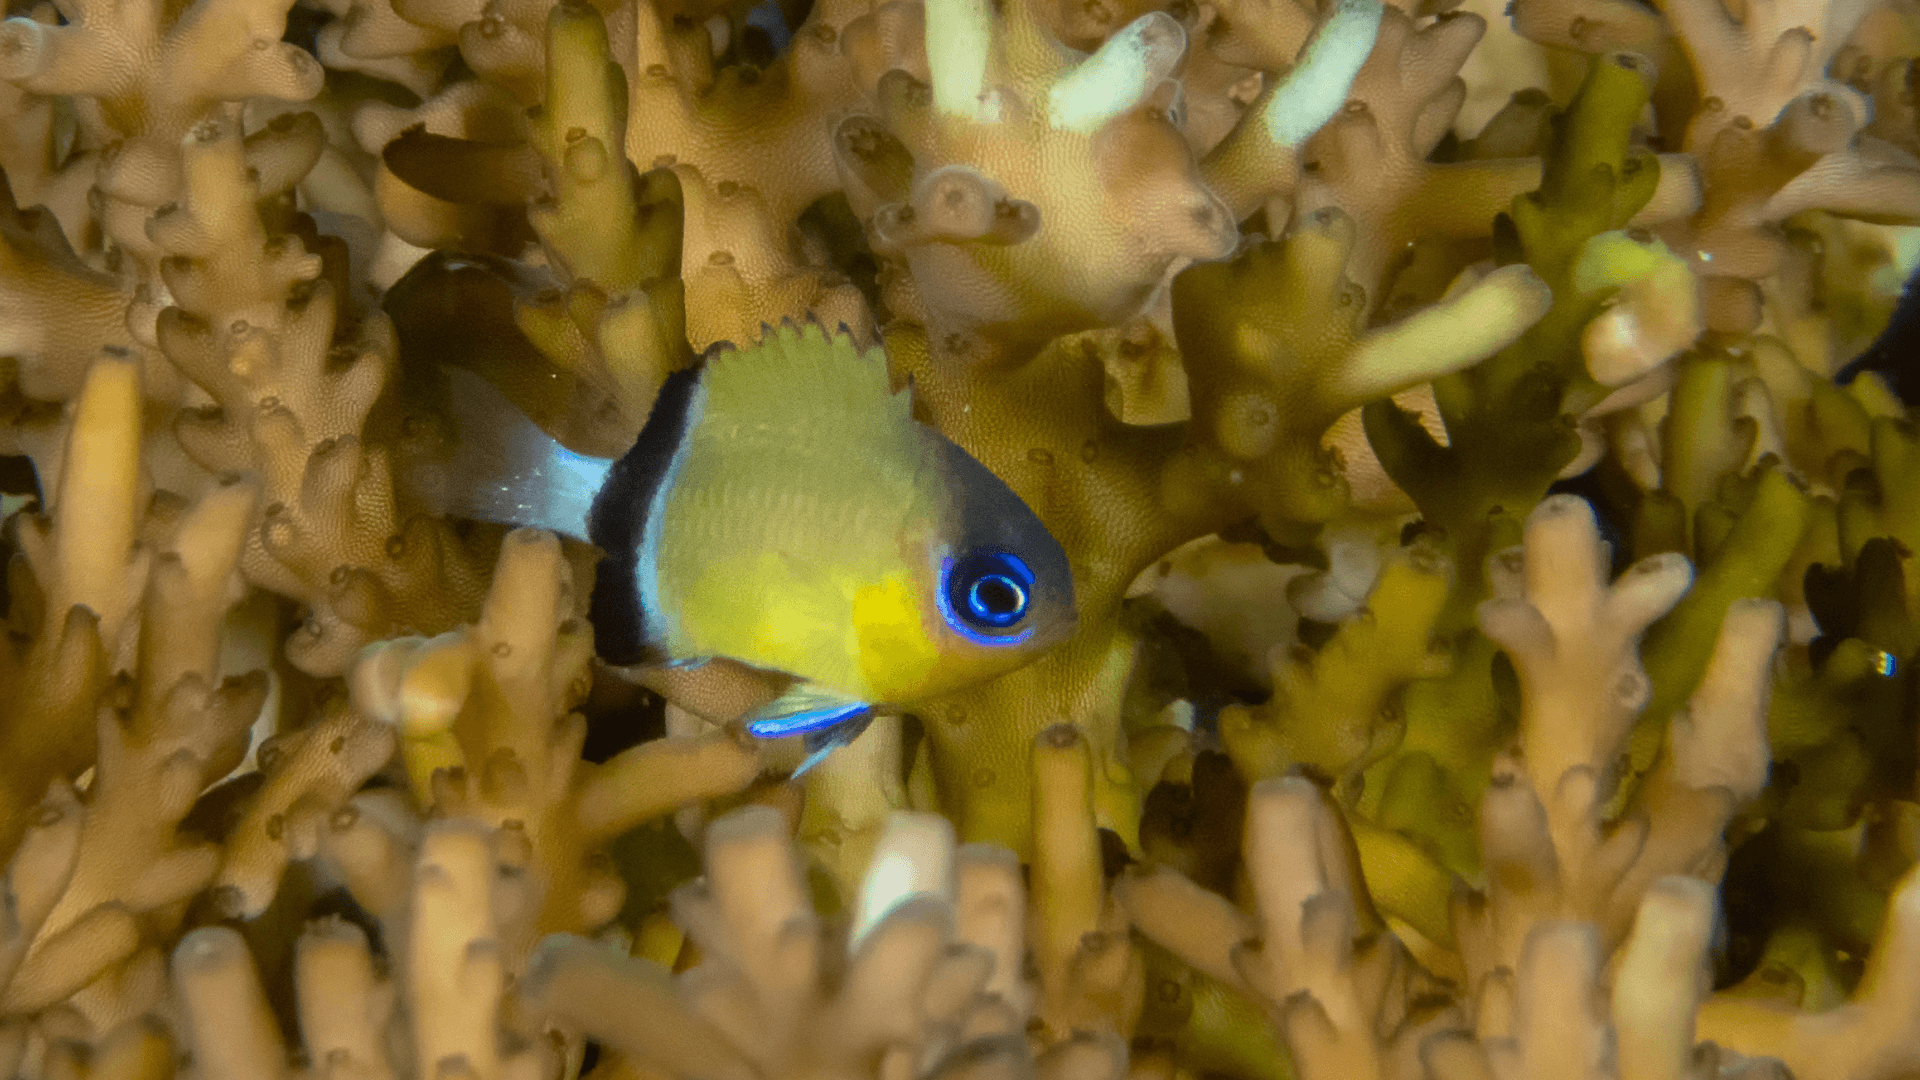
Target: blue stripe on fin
[{"x": 785, "y": 716}]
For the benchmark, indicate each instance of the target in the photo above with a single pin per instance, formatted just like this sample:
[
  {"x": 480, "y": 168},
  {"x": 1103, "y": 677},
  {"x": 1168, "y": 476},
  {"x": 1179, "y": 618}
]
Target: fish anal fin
[
  {"x": 804, "y": 708},
  {"x": 823, "y": 741}
]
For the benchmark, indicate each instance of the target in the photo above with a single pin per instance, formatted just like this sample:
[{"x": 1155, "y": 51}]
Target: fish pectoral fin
[{"x": 805, "y": 708}]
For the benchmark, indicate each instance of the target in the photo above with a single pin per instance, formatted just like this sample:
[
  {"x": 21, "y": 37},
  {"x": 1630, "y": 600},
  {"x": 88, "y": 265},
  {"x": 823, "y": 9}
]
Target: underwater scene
[{"x": 960, "y": 540}]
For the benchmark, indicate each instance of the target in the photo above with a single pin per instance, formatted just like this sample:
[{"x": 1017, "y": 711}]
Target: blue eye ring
[
  {"x": 986, "y": 594},
  {"x": 996, "y": 600}
]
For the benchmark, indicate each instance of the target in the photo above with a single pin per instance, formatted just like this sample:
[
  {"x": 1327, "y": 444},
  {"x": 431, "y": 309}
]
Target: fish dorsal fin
[{"x": 803, "y": 371}]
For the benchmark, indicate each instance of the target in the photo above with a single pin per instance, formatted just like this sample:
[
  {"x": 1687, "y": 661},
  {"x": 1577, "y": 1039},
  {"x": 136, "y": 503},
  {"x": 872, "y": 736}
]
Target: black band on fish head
[{"x": 1007, "y": 580}]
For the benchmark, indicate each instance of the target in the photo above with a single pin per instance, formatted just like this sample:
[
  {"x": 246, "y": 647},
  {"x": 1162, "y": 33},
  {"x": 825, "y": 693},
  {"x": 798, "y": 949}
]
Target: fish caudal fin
[{"x": 503, "y": 467}]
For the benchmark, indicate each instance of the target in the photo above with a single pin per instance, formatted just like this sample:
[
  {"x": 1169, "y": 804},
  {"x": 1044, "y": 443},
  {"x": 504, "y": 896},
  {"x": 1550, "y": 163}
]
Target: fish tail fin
[{"x": 500, "y": 466}]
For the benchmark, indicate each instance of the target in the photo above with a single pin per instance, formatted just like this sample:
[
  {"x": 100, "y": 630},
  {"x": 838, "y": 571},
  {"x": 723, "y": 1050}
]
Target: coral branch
[{"x": 913, "y": 998}]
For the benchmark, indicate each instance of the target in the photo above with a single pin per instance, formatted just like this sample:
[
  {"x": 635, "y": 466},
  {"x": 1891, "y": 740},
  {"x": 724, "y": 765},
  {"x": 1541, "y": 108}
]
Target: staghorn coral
[
  {"x": 74, "y": 609},
  {"x": 165, "y": 727},
  {"x": 450, "y": 981},
  {"x": 487, "y": 733},
  {"x": 1280, "y": 371},
  {"x": 1378, "y": 752},
  {"x": 925, "y": 978},
  {"x": 255, "y": 326},
  {"x": 147, "y": 75}
]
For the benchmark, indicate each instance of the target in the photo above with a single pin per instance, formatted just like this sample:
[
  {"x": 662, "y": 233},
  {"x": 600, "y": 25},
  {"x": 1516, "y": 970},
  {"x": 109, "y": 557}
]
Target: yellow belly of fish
[
  {"x": 896, "y": 656},
  {"x": 864, "y": 638}
]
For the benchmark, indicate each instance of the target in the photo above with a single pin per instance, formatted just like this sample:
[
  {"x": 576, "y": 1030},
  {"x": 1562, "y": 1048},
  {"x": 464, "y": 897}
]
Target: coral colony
[{"x": 1474, "y": 438}]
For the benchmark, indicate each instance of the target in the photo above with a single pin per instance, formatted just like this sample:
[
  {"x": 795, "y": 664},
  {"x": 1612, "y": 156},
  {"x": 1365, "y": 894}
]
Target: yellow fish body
[{"x": 783, "y": 509}]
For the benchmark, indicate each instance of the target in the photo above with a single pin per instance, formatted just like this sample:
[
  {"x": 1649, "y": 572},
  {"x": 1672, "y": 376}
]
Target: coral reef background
[{"x": 1498, "y": 622}]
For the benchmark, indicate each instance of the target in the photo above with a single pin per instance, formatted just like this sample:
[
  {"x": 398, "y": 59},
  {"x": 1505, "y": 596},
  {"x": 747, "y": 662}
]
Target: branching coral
[
  {"x": 1543, "y": 826},
  {"x": 620, "y": 323},
  {"x": 166, "y": 731},
  {"x": 487, "y": 733},
  {"x": 1274, "y": 356},
  {"x": 255, "y": 326},
  {"x": 1553, "y": 851},
  {"x": 1593, "y": 182},
  {"x": 167, "y": 725},
  {"x": 1331, "y": 709},
  {"x": 450, "y": 978},
  {"x": 1405, "y": 761},
  {"x": 88, "y": 572},
  {"x": 63, "y": 312},
  {"x": 1049, "y": 194},
  {"x": 1350, "y": 1002},
  {"x": 675, "y": 111},
  {"x": 147, "y": 76},
  {"x": 926, "y": 981},
  {"x": 929, "y": 977},
  {"x": 1774, "y": 134},
  {"x": 1869, "y": 1036}
]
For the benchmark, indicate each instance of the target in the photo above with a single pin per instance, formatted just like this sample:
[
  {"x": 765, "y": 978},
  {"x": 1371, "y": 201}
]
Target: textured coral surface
[{"x": 1498, "y": 623}]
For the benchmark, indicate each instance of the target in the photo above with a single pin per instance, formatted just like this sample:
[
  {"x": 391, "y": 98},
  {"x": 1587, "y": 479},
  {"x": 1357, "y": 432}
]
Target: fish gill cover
[{"x": 1496, "y": 621}]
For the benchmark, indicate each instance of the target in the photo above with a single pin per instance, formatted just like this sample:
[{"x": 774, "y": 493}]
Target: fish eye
[
  {"x": 988, "y": 591},
  {"x": 996, "y": 600}
]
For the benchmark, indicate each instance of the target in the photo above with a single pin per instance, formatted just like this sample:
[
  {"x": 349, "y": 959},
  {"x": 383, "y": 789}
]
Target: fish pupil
[
  {"x": 996, "y": 597},
  {"x": 988, "y": 591}
]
